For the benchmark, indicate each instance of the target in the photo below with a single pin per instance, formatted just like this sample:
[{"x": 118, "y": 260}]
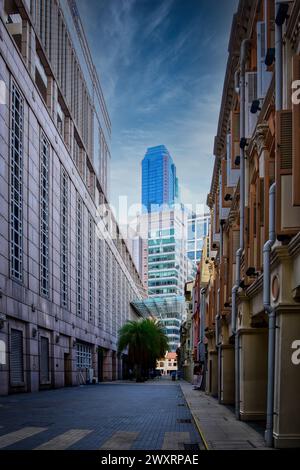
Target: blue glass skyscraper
[{"x": 159, "y": 181}]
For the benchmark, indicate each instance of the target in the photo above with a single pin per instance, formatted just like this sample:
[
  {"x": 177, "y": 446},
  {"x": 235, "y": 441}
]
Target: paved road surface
[{"x": 150, "y": 416}]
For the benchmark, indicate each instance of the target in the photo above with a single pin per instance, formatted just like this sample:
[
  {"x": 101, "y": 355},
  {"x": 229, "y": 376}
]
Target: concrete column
[
  {"x": 60, "y": 345},
  {"x": 32, "y": 52},
  {"x": 107, "y": 365},
  {"x": 32, "y": 358},
  {"x": 25, "y": 42},
  {"x": 82, "y": 163},
  {"x": 119, "y": 367},
  {"x": 227, "y": 376},
  {"x": 212, "y": 374},
  {"x": 4, "y": 366},
  {"x": 69, "y": 134},
  {"x": 287, "y": 379},
  {"x": 52, "y": 96},
  {"x": 114, "y": 365},
  {"x": 253, "y": 373},
  {"x": 73, "y": 360}
]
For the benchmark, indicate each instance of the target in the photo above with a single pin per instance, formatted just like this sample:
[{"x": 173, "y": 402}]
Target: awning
[{"x": 159, "y": 307}]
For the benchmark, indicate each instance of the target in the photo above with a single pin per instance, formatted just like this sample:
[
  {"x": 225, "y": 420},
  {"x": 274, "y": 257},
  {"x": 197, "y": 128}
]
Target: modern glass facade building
[
  {"x": 167, "y": 262},
  {"x": 198, "y": 228},
  {"x": 169, "y": 311},
  {"x": 159, "y": 181},
  {"x": 165, "y": 235},
  {"x": 66, "y": 275}
]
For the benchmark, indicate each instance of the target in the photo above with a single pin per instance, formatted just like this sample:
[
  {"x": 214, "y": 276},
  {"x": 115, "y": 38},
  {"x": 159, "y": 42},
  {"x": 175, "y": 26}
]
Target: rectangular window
[
  {"x": 91, "y": 269},
  {"x": 44, "y": 215},
  {"x": 16, "y": 184},
  {"x": 84, "y": 356},
  {"x": 79, "y": 228},
  {"x": 101, "y": 281},
  {"x": 64, "y": 228}
]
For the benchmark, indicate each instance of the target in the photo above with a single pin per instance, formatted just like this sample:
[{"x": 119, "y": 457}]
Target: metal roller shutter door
[
  {"x": 16, "y": 357},
  {"x": 44, "y": 360}
]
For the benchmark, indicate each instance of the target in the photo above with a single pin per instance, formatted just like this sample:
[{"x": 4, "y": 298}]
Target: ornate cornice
[
  {"x": 261, "y": 137},
  {"x": 280, "y": 253},
  {"x": 256, "y": 287}
]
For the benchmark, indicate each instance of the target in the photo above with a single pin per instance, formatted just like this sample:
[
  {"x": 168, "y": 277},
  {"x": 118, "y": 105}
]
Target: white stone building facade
[{"x": 66, "y": 276}]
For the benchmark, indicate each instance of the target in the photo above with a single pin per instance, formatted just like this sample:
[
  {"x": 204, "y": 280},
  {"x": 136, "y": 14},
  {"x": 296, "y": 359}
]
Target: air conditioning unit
[
  {"x": 264, "y": 77},
  {"x": 15, "y": 29},
  {"x": 232, "y": 174},
  {"x": 287, "y": 215}
]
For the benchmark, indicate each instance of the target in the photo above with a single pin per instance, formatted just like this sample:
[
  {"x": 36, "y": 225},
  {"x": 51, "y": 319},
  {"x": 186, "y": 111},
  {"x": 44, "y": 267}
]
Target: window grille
[
  {"x": 79, "y": 227},
  {"x": 64, "y": 229},
  {"x": 44, "y": 215},
  {"x": 16, "y": 184},
  {"x": 91, "y": 269}
]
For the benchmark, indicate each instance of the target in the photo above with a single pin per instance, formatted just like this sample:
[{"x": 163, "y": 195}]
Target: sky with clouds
[{"x": 161, "y": 65}]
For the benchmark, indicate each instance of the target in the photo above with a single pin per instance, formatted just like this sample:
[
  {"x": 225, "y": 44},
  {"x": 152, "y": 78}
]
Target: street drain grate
[
  {"x": 181, "y": 404},
  {"x": 184, "y": 421},
  {"x": 191, "y": 447}
]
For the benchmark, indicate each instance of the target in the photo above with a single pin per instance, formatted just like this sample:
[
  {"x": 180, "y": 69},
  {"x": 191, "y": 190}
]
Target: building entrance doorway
[
  {"x": 100, "y": 365},
  {"x": 67, "y": 370}
]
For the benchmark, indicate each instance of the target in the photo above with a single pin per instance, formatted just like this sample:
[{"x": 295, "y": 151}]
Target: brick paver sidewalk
[{"x": 220, "y": 429}]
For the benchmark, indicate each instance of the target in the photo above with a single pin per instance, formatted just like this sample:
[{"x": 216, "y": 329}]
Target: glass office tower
[
  {"x": 198, "y": 226},
  {"x": 159, "y": 181}
]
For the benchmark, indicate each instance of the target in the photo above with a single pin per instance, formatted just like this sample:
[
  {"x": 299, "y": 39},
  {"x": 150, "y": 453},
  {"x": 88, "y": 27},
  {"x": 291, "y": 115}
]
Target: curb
[{"x": 197, "y": 424}]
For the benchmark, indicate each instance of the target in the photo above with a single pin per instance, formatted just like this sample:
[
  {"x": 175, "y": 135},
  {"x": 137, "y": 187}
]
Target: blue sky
[{"x": 161, "y": 65}]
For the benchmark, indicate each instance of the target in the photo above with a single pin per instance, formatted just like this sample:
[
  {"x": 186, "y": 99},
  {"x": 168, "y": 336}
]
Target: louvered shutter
[
  {"x": 16, "y": 357},
  {"x": 44, "y": 360},
  {"x": 296, "y": 137},
  {"x": 287, "y": 215}
]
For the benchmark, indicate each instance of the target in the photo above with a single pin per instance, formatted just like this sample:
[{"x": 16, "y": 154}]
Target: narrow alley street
[
  {"x": 120, "y": 416},
  {"x": 116, "y": 416}
]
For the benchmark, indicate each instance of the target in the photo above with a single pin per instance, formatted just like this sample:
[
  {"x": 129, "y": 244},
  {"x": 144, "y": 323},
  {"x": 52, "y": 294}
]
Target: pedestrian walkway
[{"x": 219, "y": 428}]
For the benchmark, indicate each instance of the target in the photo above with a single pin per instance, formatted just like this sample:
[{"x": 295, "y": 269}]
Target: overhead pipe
[{"x": 243, "y": 59}]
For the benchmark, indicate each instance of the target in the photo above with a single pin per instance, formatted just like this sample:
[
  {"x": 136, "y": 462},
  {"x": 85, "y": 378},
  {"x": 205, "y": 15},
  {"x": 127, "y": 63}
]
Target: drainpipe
[
  {"x": 202, "y": 316},
  {"x": 244, "y": 49},
  {"x": 237, "y": 82},
  {"x": 218, "y": 345},
  {"x": 272, "y": 319},
  {"x": 268, "y": 247},
  {"x": 202, "y": 334},
  {"x": 221, "y": 240}
]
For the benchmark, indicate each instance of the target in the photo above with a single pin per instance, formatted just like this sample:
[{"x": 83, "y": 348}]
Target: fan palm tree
[{"x": 146, "y": 342}]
